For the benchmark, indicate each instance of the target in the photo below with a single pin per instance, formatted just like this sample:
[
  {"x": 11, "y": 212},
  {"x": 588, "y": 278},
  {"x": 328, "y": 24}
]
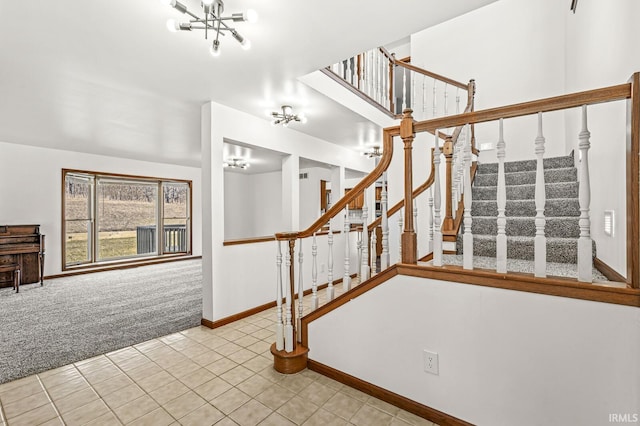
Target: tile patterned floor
[{"x": 196, "y": 377}]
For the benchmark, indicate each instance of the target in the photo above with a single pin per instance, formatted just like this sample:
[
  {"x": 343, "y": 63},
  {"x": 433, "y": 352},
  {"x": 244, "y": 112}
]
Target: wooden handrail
[
  {"x": 385, "y": 160},
  {"x": 419, "y": 190},
  {"x": 589, "y": 97},
  {"x": 431, "y": 74}
]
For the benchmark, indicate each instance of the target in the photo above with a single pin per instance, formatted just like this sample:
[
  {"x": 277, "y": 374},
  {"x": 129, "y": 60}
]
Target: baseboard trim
[
  {"x": 121, "y": 265},
  {"x": 244, "y": 314},
  {"x": 399, "y": 401},
  {"x": 608, "y": 271}
]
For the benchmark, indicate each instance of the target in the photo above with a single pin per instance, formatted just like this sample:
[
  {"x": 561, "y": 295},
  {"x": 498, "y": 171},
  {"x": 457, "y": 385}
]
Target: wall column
[{"x": 291, "y": 192}]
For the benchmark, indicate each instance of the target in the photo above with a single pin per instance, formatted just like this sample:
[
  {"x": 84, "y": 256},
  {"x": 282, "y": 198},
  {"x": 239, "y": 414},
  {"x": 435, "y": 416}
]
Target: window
[{"x": 109, "y": 218}]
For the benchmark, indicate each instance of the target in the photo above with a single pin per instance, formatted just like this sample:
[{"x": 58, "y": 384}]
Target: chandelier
[
  {"x": 236, "y": 163},
  {"x": 213, "y": 21},
  {"x": 374, "y": 153},
  {"x": 286, "y": 116}
]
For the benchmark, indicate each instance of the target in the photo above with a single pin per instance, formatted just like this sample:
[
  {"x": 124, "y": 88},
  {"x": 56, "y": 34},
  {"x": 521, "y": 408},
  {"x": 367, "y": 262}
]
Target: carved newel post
[{"x": 409, "y": 240}]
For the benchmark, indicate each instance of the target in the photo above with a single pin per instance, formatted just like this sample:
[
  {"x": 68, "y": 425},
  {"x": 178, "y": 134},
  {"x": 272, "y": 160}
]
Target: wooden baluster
[
  {"x": 279, "y": 322},
  {"x": 433, "y": 101},
  {"x": 409, "y": 239},
  {"x": 288, "y": 327},
  {"x": 447, "y": 150},
  {"x": 330, "y": 291},
  {"x": 467, "y": 238},
  {"x": 364, "y": 266},
  {"x": 346, "y": 279},
  {"x": 585, "y": 255},
  {"x": 540, "y": 241},
  {"x": 437, "y": 232},
  {"x": 314, "y": 274},
  {"x": 384, "y": 256},
  {"x": 457, "y": 100},
  {"x": 501, "y": 238},
  {"x": 300, "y": 293},
  {"x": 392, "y": 105},
  {"x": 400, "y": 228},
  {"x": 404, "y": 89},
  {"x": 370, "y": 73},
  {"x": 430, "y": 233},
  {"x": 341, "y": 68},
  {"x": 348, "y": 75}
]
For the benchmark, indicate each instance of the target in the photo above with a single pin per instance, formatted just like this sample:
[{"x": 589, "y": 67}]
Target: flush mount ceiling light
[
  {"x": 212, "y": 21},
  {"x": 236, "y": 163},
  {"x": 374, "y": 153},
  {"x": 286, "y": 116}
]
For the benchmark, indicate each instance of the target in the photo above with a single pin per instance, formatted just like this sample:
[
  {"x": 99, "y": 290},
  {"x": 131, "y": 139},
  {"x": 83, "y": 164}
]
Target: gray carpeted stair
[{"x": 562, "y": 209}]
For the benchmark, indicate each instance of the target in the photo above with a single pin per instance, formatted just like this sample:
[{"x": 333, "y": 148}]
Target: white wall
[
  {"x": 31, "y": 184},
  {"x": 514, "y": 49},
  {"x": 602, "y": 51},
  {"x": 310, "y": 194},
  {"x": 505, "y": 357},
  {"x": 226, "y": 290},
  {"x": 239, "y": 206},
  {"x": 267, "y": 196}
]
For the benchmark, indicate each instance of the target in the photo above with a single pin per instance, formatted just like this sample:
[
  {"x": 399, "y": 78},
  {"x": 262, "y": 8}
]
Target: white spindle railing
[
  {"x": 384, "y": 256},
  {"x": 437, "y": 233},
  {"x": 279, "y": 320},
  {"x": 540, "y": 240},
  {"x": 314, "y": 273},
  {"x": 330, "y": 289},
  {"x": 346, "y": 279},
  {"x": 364, "y": 261},
  {"x": 374, "y": 244},
  {"x": 467, "y": 238},
  {"x": 376, "y": 74},
  {"x": 501, "y": 196},
  {"x": 585, "y": 260},
  {"x": 430, "y": 231},
  {"x": 400, "y": 229},
  {"x": 288, "y": 326},
  {"x": 300, "y": 292}
]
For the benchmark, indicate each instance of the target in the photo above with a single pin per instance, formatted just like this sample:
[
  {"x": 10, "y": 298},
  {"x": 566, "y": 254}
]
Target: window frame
[{"x": 93, "y": 235}]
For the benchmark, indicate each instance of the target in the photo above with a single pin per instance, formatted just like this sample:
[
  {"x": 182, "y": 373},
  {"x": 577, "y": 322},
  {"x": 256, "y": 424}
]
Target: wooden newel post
[
  {"x": 447, "y": 150},
  {"x": 409, "y": 240},
  {"x": 292, "y": 288}
]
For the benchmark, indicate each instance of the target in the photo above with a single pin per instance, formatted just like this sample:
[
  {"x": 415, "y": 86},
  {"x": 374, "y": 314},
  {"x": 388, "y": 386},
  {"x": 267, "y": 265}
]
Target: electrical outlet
[{"x": 430, "y": 362}]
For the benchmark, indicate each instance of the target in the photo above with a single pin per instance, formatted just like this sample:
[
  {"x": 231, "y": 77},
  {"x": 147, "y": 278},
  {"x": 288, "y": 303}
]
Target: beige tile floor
[{"x": 198, "y": 376}]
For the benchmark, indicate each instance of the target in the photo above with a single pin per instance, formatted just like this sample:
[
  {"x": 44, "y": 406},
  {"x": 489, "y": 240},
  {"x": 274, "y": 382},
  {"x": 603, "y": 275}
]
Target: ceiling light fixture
[
  {"x": 374, "y": 153},
  {"x": 286, "y": 116},
  {"x": 236, "y": 163},
  {"x": 212, "y": 21}
]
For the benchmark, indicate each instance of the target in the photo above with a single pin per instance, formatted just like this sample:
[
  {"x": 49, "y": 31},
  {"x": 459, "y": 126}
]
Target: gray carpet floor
[{"x": 78, "y": 317}]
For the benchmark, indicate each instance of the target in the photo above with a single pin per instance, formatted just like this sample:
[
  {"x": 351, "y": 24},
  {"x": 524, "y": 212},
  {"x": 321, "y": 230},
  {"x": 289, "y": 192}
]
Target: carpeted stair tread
[
  {"x": 553, "y": 208},
  {"x": 527, "y": 165},
  {"x": 567, "y": 174},
  {"x": 523, "y": 192},
  {"x": 556, "y": 227},
  {"x": 559, "y": 250}
]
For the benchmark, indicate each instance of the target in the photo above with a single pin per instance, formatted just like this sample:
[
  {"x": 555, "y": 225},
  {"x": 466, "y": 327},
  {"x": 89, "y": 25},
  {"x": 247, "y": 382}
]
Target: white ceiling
[{"x": 106, "y": 77}]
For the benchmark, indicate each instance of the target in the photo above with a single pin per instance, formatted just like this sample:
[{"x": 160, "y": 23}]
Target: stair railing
[
  {"x": 394, "y": 85},
  {"x": 628, "y": 91},
  {"x": 286, "y": 350}
]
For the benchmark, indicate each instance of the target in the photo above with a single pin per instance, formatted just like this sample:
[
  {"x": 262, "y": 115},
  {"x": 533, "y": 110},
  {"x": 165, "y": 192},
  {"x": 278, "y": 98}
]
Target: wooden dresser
[{"x": 22, "y": 245}]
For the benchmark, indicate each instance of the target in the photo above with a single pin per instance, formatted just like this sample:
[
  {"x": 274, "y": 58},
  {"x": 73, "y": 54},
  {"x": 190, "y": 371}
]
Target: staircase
[{"x": 562, "y": 210}]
